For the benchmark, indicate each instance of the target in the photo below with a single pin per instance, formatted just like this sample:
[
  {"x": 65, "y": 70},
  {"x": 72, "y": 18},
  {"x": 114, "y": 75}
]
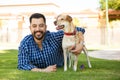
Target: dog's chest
[{"x": 68, "y": 41}]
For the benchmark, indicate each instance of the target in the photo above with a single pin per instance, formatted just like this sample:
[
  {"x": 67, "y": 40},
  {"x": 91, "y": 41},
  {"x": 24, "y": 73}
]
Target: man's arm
[
  {"x": 24, "y": 64},
  {"x": 23, "y": 59},
  {"x": 51, "y": 68},
  {"x": 76, "y": 49}
]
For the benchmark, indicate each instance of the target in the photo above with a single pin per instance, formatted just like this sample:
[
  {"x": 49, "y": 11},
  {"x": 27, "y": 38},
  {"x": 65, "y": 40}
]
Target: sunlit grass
[{"x": 101, "y": 70}]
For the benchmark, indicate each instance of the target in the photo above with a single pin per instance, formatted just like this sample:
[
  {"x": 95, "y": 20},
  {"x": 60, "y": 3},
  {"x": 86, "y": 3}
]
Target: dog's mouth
[{"x": 60, "y": 27}]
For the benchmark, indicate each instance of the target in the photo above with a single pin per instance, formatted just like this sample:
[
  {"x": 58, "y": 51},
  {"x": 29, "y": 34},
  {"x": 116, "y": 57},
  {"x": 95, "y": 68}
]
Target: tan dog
[{"x": 71, "y": 37}]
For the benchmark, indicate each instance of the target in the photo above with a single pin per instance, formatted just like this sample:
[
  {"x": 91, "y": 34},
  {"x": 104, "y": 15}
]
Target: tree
[
  {"x": 112, "y": 4},
  {"x": 114, "y": 8}
]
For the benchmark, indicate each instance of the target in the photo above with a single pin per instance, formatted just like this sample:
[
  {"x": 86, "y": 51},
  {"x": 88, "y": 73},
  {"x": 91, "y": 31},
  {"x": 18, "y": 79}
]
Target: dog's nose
[{"x": 55, "y": 23}]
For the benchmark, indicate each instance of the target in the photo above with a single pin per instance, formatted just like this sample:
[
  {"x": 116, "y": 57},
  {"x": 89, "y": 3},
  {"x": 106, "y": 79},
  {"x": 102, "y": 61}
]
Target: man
[{"x": 41, "y": 51}]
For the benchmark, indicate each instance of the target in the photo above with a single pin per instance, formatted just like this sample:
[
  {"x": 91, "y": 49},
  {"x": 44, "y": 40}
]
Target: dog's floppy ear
[{"x": 69, "y": 18}]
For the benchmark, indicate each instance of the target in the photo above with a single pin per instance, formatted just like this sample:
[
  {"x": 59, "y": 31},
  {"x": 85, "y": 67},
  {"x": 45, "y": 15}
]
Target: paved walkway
[{"x": 106, "y": 54}]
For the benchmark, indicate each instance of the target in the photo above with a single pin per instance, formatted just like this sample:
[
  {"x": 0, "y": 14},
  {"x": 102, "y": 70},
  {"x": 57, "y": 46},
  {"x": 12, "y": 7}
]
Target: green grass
[{"x": 101, "y": 70}]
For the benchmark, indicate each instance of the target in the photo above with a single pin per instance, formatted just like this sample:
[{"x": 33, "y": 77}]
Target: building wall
[{"x": 14, "y": 26}]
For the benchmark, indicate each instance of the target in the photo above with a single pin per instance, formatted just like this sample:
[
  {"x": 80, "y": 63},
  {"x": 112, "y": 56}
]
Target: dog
[{"x": 71, "y": 37}]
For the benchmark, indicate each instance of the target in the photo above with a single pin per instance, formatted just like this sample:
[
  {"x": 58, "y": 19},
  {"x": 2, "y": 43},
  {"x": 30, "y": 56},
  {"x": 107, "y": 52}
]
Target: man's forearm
[
  {"x": 37, "y": 70},
  {"x": 51, "y": 68}
]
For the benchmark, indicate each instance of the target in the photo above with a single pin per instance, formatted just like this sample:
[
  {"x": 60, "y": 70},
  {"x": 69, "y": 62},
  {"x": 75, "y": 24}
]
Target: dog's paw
[
  {"x": 75, "y": 68},
  {"x": 65, "y": 68}
]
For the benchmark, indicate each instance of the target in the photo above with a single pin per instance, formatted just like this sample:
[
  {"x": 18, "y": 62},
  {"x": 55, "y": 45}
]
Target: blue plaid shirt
[{"x": 31, "y": 56}]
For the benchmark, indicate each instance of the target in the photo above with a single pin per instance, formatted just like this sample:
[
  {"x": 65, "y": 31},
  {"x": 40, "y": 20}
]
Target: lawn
[{"x": 101, "y": 70}]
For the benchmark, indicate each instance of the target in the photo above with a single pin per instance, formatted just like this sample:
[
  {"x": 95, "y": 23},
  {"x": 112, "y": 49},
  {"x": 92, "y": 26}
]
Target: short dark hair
[{"x": 37, "y": 15}]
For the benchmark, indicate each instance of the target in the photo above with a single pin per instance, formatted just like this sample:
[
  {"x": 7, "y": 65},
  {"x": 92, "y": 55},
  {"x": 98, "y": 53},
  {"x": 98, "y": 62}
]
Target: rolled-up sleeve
[{"x": 80, "y": 29}]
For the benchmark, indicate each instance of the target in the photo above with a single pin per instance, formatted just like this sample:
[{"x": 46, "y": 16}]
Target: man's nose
[{"x": 38, "y": 28}]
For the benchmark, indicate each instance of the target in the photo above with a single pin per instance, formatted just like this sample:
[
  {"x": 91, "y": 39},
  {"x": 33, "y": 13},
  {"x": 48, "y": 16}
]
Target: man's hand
[
  {"x": 76, "y": 49},
  {"x": 51, "y": 68}
]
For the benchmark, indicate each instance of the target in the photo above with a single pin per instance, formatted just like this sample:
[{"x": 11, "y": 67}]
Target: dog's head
[{"x": 63, "y": 21}]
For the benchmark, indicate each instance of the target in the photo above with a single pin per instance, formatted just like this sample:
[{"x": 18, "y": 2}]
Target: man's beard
[{"x": 38, "y": 37}]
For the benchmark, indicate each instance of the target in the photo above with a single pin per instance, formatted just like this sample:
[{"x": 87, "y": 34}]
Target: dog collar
[{"x": 68, "y": 34}]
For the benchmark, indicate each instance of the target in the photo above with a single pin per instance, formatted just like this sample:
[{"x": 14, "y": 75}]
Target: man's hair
[{"x": 37, "y": 15}]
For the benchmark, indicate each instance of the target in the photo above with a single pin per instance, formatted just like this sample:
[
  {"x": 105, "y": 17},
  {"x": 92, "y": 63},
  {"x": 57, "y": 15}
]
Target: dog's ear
[{"x": 69, "y": 18}]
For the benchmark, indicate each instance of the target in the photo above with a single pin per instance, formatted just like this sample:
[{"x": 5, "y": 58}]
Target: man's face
[{"x": 38, "y": 28}]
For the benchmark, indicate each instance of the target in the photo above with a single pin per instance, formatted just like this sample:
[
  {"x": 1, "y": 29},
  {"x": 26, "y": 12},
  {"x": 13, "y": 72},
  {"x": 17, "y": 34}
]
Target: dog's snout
[{"x": 55, "y": 23}]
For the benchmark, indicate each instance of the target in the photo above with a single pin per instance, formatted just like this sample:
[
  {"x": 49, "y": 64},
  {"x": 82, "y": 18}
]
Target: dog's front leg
[
  {"x": 65, "y": 59},
  {"x": 75, "y": 62},
  {"x": 70, "y": 59}
]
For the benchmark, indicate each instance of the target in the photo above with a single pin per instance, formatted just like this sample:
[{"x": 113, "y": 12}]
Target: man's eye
[
  {"x": 42, "y": 25},
  {"x": 34, "y": 26}
]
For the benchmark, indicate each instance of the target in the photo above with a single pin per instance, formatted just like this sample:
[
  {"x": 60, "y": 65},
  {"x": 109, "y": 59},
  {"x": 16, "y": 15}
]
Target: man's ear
[
  {"x": 69, "y": 18},
  {"x": 46, "y": 27},
  {"x": 29, "y": 27}
]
